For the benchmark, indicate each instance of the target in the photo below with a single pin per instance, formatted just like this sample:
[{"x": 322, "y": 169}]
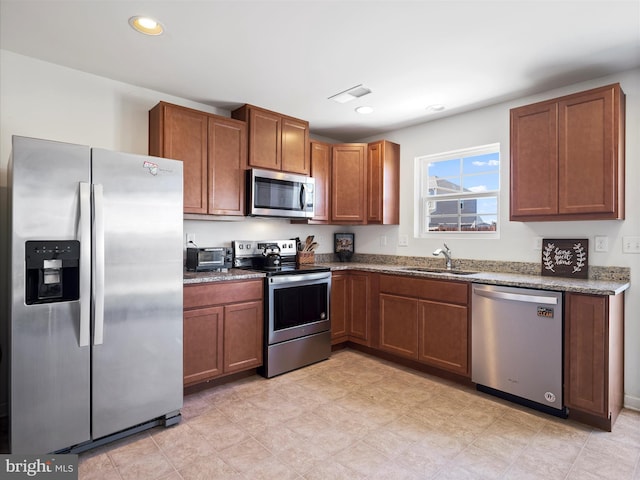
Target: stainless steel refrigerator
[{"x": 95, "y": 314}]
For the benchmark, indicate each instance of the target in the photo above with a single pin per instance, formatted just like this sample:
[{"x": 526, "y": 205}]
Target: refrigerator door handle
[
  {"x": 85, "y": 264},
  {"x": 98, "y": 265}
]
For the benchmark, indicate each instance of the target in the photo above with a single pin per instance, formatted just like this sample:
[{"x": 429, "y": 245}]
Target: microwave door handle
[{"x": 303, "y": 195}]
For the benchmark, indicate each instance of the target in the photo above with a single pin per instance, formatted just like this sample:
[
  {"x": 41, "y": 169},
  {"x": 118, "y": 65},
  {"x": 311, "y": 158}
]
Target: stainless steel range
[{"x": 297, "y": 300}]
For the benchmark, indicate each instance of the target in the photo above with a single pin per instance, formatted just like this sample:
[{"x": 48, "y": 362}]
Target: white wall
[{"x": 48, "y": 101}]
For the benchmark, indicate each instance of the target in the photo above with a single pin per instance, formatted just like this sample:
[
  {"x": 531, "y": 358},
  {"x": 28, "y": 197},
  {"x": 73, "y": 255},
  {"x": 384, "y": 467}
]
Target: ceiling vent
[{"x": 351, "y": 94}]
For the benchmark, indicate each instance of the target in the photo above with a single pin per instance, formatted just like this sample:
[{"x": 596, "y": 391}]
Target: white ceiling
[{"x": 290, "y": 56}]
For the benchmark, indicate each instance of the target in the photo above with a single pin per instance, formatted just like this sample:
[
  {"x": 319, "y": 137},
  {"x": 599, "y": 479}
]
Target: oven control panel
[{"x": 252, "y": 248}]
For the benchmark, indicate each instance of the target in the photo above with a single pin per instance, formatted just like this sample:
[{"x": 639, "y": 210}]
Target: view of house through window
[{"x": 459, "y": 190}]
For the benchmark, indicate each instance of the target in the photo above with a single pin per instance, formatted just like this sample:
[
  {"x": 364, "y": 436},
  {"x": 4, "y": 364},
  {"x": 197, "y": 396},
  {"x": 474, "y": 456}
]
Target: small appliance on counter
[{"x": 209, "y": 259}]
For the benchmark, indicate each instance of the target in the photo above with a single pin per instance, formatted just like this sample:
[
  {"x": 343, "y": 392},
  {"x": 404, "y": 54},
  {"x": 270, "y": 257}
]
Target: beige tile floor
[{"x": 357, "y": 417}]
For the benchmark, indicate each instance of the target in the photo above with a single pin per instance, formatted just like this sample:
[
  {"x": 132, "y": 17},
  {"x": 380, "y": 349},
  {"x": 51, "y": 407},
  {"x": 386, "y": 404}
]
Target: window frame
[{"x": 421, "y": 166}]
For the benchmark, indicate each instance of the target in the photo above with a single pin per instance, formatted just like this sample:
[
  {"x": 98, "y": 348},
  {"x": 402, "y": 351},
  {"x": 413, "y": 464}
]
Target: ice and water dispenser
[{"x": 53, "y": 271}]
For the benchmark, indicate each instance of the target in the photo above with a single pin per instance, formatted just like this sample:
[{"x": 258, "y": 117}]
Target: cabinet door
[
  {"x": 359, "y": 301},
  {"x": 265, "y": 130},
  {"x": 383, "y": 184},
  {"x": 339, "y": 308},
  {"x": 399, "y": 325},
  {"x": 588, "y": 155},
  {"x": 181, "y": 133},
  {"x": 243, "y": 336},
  {"x": 202, "y": 348},
  {"x": 321, "y": 172},
  {"x": 295, "y": 146},
  {"x": 374, "y": 182},
  {"x": 227, "y": 162},
  {"x": 348, "y": 183},
  {"x": 443, "y": 332},
  {"x": 586, "y": 353},
  {"x": 534, "y": 160}
]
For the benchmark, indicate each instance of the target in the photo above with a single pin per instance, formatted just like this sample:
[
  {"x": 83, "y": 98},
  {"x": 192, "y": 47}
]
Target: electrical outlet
[
  {"x": 602, "y": 244},
  {"x": 403, "y": 241},
  {"x": 537, "y": 243},
  {"x": 630, "y": 244},
  {"x": 191, "y": 238},
  {"x": 383, "y": 240}
]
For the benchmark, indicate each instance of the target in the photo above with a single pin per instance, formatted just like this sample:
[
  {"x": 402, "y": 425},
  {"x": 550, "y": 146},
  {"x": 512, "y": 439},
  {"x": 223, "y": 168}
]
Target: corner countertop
[{"x": 575, "y": 285}]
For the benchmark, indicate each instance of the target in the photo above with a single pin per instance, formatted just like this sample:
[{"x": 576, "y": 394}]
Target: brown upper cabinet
[
  {"x": 321, "y": 172},
  {"x": 365, "y": 183},
  {"x": 567, "y": 157},
  {"x": 276, "y": 141},
  {"x": 213, "y": 150},
  {"x": 383, "y": 183},
  {"x": 349, "y": 183}
]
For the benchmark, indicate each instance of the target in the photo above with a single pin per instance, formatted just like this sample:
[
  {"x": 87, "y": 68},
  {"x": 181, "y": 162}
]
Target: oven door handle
[{"x": 299, "y": 278}]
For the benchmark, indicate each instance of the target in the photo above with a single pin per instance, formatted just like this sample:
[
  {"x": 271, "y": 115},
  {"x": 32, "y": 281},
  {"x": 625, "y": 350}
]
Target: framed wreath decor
[{"x": 565, "y": 257}]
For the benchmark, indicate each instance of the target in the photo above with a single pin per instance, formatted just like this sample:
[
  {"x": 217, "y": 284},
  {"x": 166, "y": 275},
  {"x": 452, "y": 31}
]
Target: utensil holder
[{"x": 305, "y": 258}]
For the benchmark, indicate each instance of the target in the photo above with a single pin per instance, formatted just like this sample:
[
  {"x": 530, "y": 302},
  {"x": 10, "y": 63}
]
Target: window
[{"x": 459, "y": 191}]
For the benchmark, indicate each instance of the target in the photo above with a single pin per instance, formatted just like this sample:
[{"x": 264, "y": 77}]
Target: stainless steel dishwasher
[{"x": 516, "y": 345}]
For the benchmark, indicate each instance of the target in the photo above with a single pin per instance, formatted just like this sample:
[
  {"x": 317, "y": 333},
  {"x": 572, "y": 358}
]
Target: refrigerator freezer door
[
  {"x": 137, "y": 362},
  {"x": 49, "y": 372}
]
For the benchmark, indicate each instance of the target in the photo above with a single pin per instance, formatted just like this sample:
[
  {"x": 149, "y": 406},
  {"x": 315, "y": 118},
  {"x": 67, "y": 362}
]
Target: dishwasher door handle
[{"x": 516, "y": 297}]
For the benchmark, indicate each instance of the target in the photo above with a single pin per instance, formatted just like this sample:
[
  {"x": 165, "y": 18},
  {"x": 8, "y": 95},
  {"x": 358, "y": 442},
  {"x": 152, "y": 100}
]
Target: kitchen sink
[{"x": 438, "y": 270}]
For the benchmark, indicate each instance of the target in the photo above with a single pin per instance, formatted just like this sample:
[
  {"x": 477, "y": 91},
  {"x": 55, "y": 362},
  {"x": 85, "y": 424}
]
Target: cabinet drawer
[
  {"x": 221, "y": 293},
  {"x": 424, "y": 288}
]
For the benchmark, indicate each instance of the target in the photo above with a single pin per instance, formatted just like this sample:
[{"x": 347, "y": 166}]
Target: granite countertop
[
  {"x": 602, "y": 285},
  {"x": 588, "y": 286},
  {"x": 230, "y": 274}
]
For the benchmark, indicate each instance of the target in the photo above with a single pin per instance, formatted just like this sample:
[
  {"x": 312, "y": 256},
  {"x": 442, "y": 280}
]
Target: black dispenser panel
[{"x": 53, "y": 271}]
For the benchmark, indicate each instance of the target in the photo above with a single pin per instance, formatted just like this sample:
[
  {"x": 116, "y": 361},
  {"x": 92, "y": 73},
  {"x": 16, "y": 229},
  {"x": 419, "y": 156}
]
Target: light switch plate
[{"x": 630, "y": 244}]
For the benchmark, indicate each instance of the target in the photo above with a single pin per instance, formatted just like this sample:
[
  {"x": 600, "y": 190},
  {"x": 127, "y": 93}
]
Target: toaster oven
[{"x": 208, "y": 259}]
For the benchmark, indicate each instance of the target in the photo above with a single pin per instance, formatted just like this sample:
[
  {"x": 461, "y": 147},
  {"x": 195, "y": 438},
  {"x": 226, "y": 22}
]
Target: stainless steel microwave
[{"x": 279, "y": 194}]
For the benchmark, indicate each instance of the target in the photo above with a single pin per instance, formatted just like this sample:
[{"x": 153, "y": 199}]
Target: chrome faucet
[{"x": 447, "y": 254}]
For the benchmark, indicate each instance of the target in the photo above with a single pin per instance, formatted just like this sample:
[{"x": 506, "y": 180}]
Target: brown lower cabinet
[
  {"x": 423, "y": 320},
  {"x": 443, "y": 333},
  {"x": 223, "y": 329},
  {"x": 350, "y": 310},
  {"x": 426, "y": 320},
  {"x": 594, "y": 358}
]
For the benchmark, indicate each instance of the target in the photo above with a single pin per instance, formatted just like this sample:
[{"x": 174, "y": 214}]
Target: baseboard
[{"x": 631, "y": 402}]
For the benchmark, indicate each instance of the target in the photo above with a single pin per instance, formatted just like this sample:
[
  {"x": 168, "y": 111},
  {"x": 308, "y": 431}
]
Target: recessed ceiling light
[
  {"x": 364, "y": 110},
  {"x": 436, "y": 107},
  {"x": 350, "y": 94},
  {"x": 146, "y": 25}
]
